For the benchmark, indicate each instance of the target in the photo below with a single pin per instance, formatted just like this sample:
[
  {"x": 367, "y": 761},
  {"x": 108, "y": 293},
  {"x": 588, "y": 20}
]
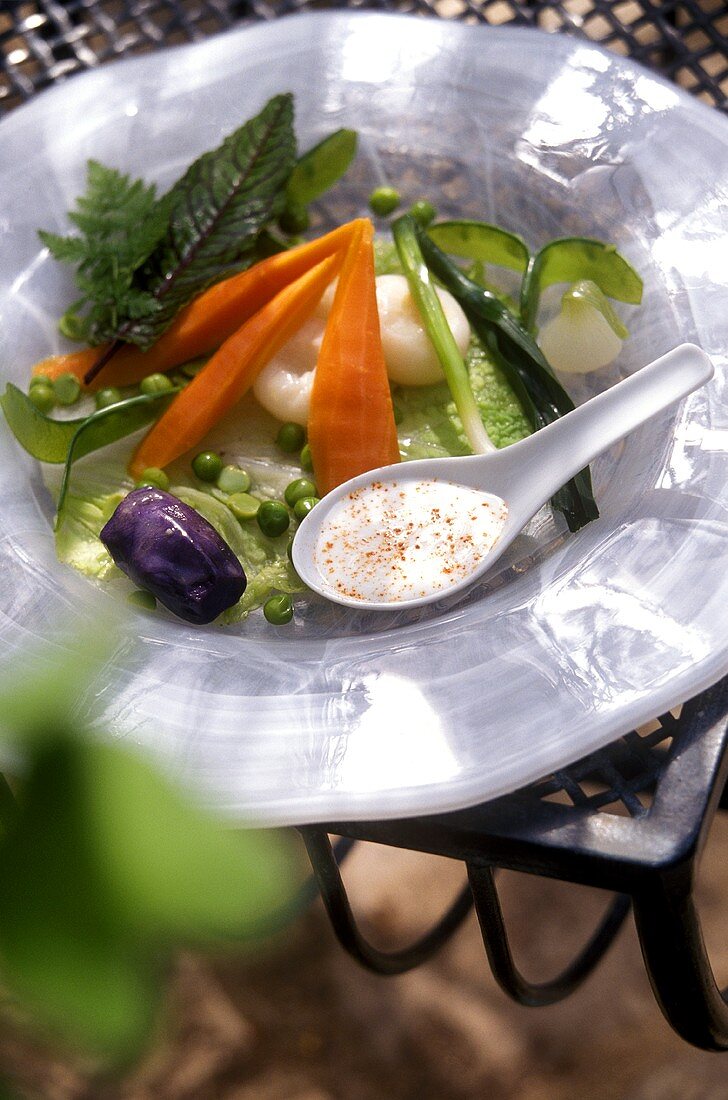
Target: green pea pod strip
[
  {"x": 541, "y": 395},
  {"x": 571, "y": 260},
  {"x": 475, "y": 240},
  {"x": 42, "y": 437},
  {"x": 321, "y": 167},
  {"x": 486, "y": 305},
  {"x": 50, "y": 440},
  {"x": 107, "y": 426}
]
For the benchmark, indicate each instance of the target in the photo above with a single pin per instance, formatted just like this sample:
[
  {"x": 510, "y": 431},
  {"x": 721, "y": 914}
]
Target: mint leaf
[{"x": 216, "y": 211}]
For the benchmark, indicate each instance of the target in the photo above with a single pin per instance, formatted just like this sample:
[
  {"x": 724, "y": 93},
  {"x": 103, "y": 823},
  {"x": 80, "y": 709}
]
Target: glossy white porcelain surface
[{"x": 577, "y": 639}]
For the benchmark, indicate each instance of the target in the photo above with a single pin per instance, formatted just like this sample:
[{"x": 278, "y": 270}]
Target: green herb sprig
[
  {"x": 140, "y": 258},
  {"x": 121, "y": 222}
]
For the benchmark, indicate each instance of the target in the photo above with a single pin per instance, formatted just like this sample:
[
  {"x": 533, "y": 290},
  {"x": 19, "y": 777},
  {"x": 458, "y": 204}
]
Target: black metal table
[{"x": 631, "y": 818}]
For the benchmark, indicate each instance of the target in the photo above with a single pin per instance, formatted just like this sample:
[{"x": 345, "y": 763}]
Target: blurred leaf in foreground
[{"x": 105, "y": 868}]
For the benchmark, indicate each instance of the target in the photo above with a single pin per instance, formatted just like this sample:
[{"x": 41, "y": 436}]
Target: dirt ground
[{"x": 306, "y": 1023}]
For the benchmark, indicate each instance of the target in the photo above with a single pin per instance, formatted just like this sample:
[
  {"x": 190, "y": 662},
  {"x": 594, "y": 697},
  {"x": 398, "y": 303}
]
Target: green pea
[
  {"x": 278, "y": 610},
  {"x": 298, "y": 489},
  {"x": 243, "y": 505},
  {"x": 273, "y": 518},
  {"x": 71, "y": 325},
  {"x": 294, "y": 219},
  {"x": 193, "y": 367},
  {"x": 423, "y": 212},
  {"x": 303, "y": 506},
  {"x": 383, "y": 201},
  {"x": 109, "y": 396},
  {"x": 207, "y": 466},
  {"x": 40, "y": 380},
  {"x": 67, "y": 389},
  {"x": 232, "y": 479},
  {"x": 290, "y": 438},
  {"x": 43, "y": 397},
  {"x": 156, "y": 383},
  {"x": 305, "y": 458},
  {"x": 154, "y": 478},
  {"x": 142, "y": 599}
]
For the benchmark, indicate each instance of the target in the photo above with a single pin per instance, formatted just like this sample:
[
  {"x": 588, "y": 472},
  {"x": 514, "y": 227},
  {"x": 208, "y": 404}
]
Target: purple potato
[{"x": 168, "y": 548}]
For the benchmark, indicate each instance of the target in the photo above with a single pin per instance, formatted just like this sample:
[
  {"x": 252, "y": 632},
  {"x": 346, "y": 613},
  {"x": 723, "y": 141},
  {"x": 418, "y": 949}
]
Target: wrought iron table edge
[{"x": 655, "y": 879}]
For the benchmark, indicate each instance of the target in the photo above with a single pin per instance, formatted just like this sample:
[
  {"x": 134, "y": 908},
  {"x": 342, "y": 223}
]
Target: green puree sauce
[{"x": 429, "y": 426}]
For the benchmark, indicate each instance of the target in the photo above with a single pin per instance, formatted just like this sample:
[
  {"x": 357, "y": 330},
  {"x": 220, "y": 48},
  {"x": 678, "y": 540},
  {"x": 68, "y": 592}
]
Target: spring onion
[
  {"x": 425, "y": 297},
  {"x": 542, "y": 397}
]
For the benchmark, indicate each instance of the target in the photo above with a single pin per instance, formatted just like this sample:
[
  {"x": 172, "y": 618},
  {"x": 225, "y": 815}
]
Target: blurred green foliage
[{"x": 106, "y": 867}]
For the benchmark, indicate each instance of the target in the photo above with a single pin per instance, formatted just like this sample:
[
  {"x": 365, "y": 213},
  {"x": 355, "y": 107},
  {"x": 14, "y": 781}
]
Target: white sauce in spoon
[{"x": 392, "y": 541}]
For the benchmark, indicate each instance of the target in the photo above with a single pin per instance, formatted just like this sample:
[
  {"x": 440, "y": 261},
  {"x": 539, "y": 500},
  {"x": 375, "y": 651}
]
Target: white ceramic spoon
[{"x": 407, "y": 534}]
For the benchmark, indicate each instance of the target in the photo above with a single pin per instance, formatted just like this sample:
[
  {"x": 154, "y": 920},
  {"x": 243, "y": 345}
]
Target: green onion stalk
[
  {"x": 515, "y": 351},
  {"x": 428, "y": 303}
]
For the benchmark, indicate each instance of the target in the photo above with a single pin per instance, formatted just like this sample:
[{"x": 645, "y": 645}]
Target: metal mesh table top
[{"x": 42, "y": 41}]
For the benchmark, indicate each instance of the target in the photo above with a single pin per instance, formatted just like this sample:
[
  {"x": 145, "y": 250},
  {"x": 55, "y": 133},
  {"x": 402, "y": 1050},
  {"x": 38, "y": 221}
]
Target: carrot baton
[
  {"x": 351, "y": 425},
  {"x": 232, "y": 369},
  {"x": 206, "y": 322}
]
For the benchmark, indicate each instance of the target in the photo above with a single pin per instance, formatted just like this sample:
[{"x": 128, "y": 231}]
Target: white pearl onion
[{"x": 579, "y": 340}]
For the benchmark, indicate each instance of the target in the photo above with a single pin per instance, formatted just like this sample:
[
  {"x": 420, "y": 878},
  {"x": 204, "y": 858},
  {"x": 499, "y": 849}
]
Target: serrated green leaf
[
  {"x": 216, "y": 211},
  {"x": 321, "y": 167},
  {"x": 121, "y": 221},
  {"x": 70, "y": 250}
]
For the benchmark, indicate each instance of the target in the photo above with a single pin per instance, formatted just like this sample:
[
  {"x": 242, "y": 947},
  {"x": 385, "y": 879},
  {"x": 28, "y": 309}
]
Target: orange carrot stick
[
  {"x": 351, "y": 425},
  {"x": 75, "y": 362},
  {"x": 206, "y": 322},
  {"x": 232, "y": 369}
]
